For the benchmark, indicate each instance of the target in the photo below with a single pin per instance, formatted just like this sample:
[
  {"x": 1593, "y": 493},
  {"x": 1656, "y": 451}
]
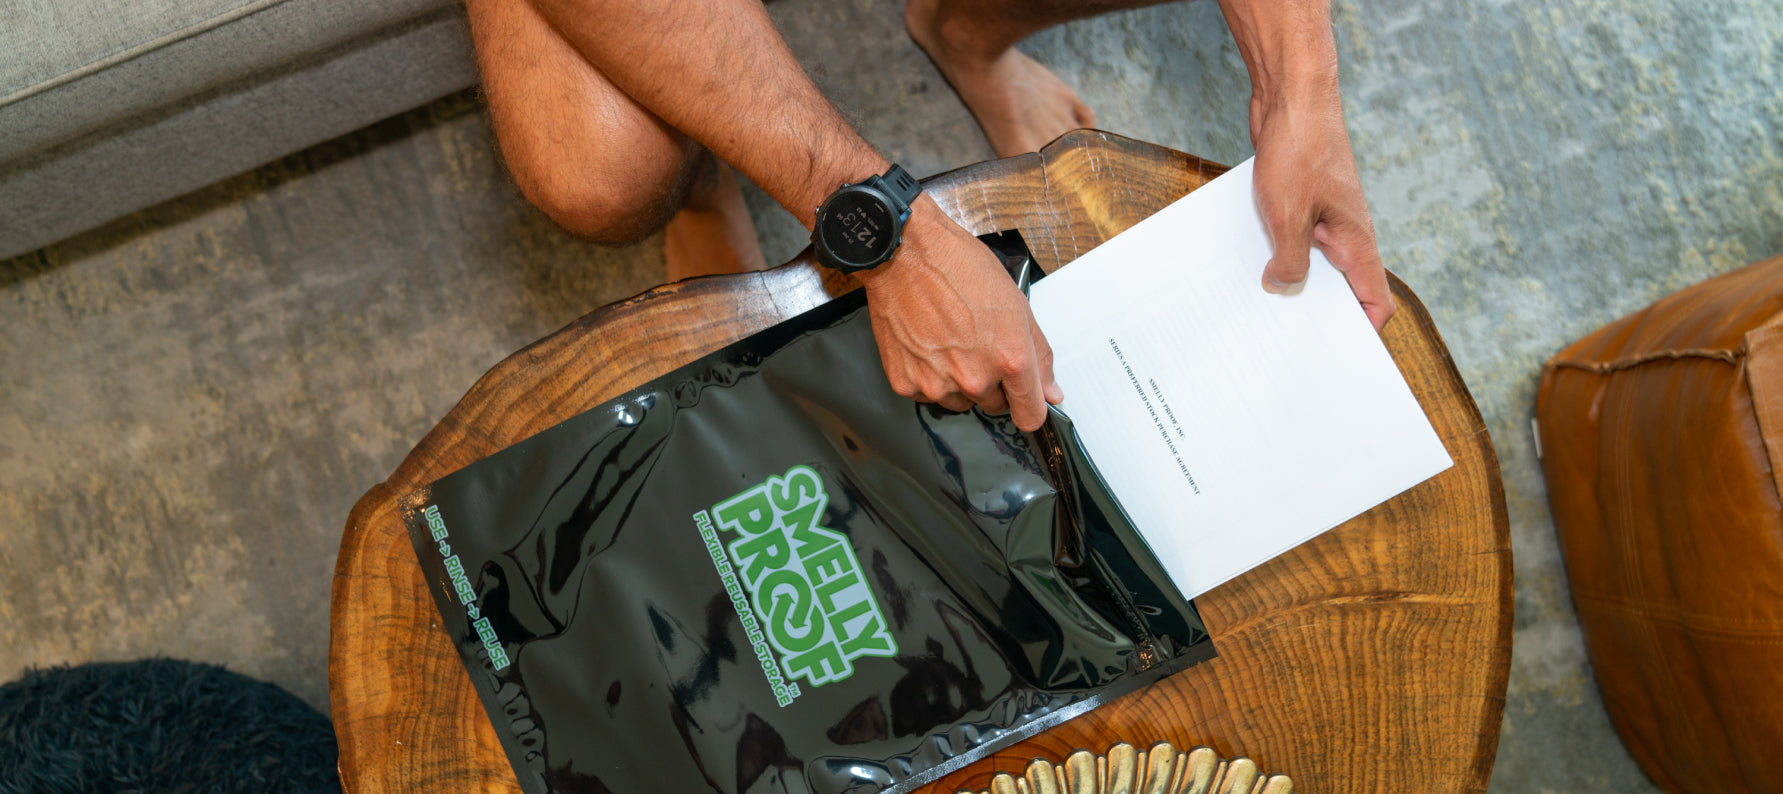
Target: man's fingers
[
  {"x": 1049, "y": 386},
  {"x": 1352, "y": 250},
  {"x": 921, "y": 386},
  {"x": 1380, "y": 313},
  {"x": 1291, "y": 234},
  {"x": 898, "y": 378},
  {"x": 987, "y": 393},
  {"x": 1021, "y": 383},
  {"x": 956, "y": 403},
  {"x": 938, "y": 388}
]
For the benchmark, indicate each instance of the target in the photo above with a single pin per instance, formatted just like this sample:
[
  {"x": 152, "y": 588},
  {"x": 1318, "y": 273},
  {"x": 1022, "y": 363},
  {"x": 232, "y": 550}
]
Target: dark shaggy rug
[{"x": 159, "y": 726}]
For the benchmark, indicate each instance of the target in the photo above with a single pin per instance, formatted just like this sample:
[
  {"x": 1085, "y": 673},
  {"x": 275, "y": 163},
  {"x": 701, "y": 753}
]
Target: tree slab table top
[{"x": 1372, "y": 659}]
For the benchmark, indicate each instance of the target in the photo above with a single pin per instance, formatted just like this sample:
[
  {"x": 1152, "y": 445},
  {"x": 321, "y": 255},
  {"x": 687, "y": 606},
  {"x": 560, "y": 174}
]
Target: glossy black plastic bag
[{"x": 766, "y": 571}]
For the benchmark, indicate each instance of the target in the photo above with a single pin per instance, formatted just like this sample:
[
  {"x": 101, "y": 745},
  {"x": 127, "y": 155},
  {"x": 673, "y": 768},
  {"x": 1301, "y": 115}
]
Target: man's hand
[
  {"x": 1308, "y": 192},
  {"x": 953, "y": 329}
]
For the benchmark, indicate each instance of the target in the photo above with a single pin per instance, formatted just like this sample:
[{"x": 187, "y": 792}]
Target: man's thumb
[{"x": 1292, "y": 239}]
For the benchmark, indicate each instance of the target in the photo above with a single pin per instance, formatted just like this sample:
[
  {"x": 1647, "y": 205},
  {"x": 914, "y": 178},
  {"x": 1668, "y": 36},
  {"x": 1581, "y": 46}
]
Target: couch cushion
[
  {"x": 168, "y": 150},
  {"x": 1662, "y": 436},
  {"x": 73, "y": 67},
  {"x": 48, "y": 43}
]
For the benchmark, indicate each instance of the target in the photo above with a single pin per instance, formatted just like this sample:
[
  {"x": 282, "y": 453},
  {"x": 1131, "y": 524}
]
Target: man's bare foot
[
  {"x": 713, "y": 232},
  {"x": 1020, "y": 104}
]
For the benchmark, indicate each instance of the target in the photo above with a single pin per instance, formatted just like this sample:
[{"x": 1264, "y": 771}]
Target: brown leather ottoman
[{"x": 1662, "y": 441}]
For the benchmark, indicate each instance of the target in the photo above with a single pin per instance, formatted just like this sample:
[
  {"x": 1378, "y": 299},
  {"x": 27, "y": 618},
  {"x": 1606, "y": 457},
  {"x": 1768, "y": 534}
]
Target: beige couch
[{"x": 110, "y": 107}]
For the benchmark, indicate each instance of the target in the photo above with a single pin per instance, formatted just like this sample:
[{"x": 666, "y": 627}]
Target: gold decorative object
[{"x": 1163, "y": 769}]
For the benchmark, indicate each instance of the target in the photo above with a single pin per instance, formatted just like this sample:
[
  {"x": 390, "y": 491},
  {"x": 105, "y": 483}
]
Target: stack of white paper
[{"x": 1231, "y": 424}]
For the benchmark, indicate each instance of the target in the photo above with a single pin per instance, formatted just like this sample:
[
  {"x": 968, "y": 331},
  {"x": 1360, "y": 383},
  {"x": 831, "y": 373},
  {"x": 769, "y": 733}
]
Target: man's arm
[
  {"x": 950, "y": 325},
  {"x": 1308, "y": 190}
]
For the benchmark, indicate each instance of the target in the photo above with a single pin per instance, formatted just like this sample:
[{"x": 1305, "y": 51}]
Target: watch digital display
[{"x": 857, "y": 227}]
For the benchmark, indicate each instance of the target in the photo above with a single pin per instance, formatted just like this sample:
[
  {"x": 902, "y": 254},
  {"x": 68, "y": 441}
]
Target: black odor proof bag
[{"x": 767, "y": 572}]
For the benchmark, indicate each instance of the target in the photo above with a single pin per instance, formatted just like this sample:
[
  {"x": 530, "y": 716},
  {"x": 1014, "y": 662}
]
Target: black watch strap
[{"x": 902, "y": 185}]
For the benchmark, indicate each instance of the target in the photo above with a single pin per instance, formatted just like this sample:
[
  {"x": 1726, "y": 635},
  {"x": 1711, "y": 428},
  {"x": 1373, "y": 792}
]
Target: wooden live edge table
[{"x": 1372, "y": 659}]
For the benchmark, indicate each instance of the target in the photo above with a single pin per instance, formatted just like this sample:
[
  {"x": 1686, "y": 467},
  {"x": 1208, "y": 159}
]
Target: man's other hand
[
  {"x": 953, "y": 329},
  {"x": 1308, "y": 191}
]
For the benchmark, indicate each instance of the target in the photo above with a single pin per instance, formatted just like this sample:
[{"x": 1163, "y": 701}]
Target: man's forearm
[
  {"x": 1288, "y": 49},
  {"x": 718, "y": 71}
]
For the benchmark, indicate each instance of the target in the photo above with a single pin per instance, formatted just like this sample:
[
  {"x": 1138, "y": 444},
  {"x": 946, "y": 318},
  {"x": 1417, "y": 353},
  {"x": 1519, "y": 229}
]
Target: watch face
[{"x": 857, "y": 228}]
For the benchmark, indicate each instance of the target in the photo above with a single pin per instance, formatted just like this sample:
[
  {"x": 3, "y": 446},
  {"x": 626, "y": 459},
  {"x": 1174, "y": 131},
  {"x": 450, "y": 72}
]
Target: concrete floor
[{"x": 192, "y": 398}]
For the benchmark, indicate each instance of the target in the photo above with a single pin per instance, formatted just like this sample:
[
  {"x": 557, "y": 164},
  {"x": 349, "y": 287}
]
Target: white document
[{"x": 1231, "y": 424}]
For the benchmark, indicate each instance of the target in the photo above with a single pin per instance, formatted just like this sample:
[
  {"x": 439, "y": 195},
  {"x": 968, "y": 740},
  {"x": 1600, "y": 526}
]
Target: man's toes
[{"x": 1085, "y": 116}]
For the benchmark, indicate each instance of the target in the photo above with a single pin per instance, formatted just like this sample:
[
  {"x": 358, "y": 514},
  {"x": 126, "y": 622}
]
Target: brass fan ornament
[{"x": 1163, "y": 769}]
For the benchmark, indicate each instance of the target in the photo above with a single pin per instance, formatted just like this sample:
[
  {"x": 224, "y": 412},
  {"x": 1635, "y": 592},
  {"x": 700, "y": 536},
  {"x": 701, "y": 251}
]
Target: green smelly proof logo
[{"x": 797, "y": 587}]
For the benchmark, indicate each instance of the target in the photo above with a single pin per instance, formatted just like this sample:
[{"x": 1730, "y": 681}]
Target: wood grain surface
[{"x": 1371, "y": 659}]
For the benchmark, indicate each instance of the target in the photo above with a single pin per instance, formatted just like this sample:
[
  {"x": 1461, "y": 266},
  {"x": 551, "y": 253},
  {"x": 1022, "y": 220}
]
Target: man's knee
[
  {"x": 609, "y": 206},
  {"x": 595, "y": 161}
]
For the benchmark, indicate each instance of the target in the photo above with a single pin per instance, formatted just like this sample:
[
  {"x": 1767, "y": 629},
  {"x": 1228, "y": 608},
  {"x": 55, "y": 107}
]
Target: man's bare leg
[
  {"x": 598, "y": 163},
  {"x": 1020, "y": 104}
]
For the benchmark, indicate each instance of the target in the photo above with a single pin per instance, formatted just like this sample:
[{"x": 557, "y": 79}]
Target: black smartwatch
[{"x": 860, "y": 225}]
